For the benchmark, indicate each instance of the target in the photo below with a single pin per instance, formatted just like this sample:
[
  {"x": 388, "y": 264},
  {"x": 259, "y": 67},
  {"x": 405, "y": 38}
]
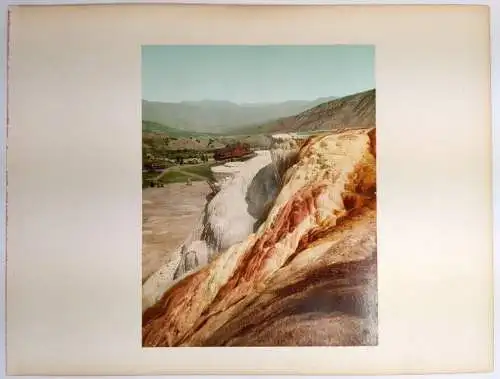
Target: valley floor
[{"x": 169, "y": 215}]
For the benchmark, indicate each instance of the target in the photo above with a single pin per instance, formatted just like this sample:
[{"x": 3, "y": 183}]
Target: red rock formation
[{"x": 306, "y": 277}]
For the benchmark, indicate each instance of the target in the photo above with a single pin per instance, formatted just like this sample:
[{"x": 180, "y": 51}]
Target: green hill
[{"x": 155, "y": 127}]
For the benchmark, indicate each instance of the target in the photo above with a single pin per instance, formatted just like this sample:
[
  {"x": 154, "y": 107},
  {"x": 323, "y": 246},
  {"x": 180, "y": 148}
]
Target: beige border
[{"x": 74, "y": 199}]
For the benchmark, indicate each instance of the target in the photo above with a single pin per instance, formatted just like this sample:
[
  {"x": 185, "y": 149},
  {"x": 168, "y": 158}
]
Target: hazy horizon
[
  {"x": 247, "y": 75},
  {"x": 253, "y": 103}
]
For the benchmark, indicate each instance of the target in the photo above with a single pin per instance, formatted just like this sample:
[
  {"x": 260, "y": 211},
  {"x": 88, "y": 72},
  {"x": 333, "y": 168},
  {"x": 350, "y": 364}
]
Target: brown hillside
[{"x": 352, "y": 111}]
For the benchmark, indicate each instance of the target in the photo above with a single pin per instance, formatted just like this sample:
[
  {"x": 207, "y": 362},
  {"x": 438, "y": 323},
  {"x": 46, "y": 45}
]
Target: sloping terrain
[
  {"x": 352, "y": 111},
  {"x": 217, "y": 116},
  {"x": 168, "y": 214},
  {"x": 306, "y": 276},
  {"x": 355, "y": 111},
  {"x": 154, "y": 127},
  {"x": 228, "y": 218},
  {"x": 166, "y": 141}
]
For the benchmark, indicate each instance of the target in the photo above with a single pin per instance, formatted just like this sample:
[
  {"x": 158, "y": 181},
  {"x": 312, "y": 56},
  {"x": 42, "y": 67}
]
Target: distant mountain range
[
  {"x": 206, "y": 118},
  {"x": 209, "y": 116},
  {"x": 352, "y": 111}
]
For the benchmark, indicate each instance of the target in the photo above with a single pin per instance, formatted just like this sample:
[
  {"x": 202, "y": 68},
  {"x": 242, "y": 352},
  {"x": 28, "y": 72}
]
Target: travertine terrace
[{"x": 306, "y": 275}]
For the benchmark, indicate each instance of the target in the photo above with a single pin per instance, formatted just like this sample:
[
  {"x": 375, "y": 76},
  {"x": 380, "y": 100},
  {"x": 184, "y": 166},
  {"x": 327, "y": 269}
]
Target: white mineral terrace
[
  {"x": 228, "y": 219},
  {"x": 230, "y": 169},
  {"x": 283, "y": 137}
]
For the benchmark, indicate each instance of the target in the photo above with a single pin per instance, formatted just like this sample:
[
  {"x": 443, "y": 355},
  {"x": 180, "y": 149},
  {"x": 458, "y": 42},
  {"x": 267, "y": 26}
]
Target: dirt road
[{"x": 180, "y": 168}]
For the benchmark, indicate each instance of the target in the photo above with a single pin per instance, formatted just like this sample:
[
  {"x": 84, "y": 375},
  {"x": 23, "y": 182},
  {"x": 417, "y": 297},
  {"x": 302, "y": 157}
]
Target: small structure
[
  {"x": 193, "y": 161},
  {"x": 237, "y": 150},
  {"x": 154, "y": 166}
]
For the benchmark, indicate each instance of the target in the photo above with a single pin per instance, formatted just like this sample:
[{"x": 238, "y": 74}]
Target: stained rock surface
[{"x": 305, "y": 275}]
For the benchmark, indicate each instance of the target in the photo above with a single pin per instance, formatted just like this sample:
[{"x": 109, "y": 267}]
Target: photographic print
[
  {"x": 259, "y": 196},
  {"x": 258, "y": 223}
]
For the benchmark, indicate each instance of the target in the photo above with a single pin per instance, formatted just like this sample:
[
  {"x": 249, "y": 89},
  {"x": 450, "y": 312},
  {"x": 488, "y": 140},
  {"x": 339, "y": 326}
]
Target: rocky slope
[
  {"x": 354, "y": 111},
  {"x": 305, "y": 276}
]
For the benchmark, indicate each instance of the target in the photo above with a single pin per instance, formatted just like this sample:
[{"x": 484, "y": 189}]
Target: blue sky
[{"x": 249, "y": 74}]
